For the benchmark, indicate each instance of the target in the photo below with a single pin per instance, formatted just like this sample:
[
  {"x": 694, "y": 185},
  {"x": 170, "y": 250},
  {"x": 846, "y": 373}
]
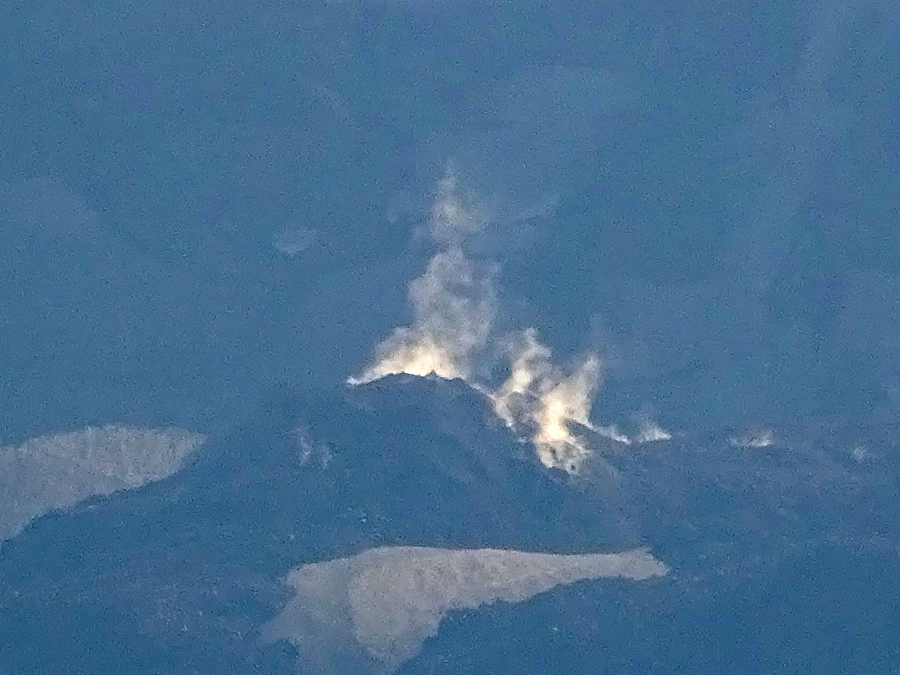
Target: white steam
[
  {"x": 452, "y": 219},
  {"x": 454, "y": 308},
  {"x": 293, "y": 242},
  {"x": 545, "y": 399},
  {"x": 453, "y": 303},
  {"x": 651, "y": 432}
]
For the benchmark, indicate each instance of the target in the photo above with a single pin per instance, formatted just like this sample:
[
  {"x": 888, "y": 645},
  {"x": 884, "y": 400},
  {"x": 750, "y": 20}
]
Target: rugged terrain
[{"x": 783, "y": 548}]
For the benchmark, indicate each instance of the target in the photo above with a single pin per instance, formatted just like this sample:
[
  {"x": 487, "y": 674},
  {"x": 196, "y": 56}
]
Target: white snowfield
[
  {"x": 59, "y": 470},
  {"x": 373, "y": 611}
]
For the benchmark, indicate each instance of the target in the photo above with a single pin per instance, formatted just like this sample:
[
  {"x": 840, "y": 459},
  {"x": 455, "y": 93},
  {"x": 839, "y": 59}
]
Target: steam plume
[
  {"x": 454, "y": 303},
  {"x": 454, "y": 309},
  {"x": 541, "y": 397},
  {"x": 651, "y": 432}
]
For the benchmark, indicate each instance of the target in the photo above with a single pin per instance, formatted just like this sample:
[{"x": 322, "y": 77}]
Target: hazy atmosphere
[
  {"x": 294, "y": 295},
  {"x": 198, "y": 199}
]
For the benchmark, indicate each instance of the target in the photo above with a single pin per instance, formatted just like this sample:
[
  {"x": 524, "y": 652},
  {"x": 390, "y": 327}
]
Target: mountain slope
[
  {"x": 783, "y": 553},
  {"x": 181, "y": 574}
]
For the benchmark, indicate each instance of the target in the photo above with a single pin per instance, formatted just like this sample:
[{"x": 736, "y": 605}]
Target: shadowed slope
[{"x": 185, "y": 571}]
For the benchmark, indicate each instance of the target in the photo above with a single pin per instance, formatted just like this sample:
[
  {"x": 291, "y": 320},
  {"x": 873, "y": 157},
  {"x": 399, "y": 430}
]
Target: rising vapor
[
  {"x": 453, "y": 302},
  {"x": 542, "y": 398},
  {"x": 454, "y": 307}
]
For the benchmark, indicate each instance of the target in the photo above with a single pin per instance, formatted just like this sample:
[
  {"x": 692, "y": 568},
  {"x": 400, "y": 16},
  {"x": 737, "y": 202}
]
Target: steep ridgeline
[
  {"x": 399, "y": 527},
  {"x": 181, "y": 575}
]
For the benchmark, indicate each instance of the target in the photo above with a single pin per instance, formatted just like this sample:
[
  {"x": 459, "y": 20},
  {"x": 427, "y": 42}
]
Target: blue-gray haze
[
  {"x": 201, "y": 199},
  {"x": 724, "y": 177}
]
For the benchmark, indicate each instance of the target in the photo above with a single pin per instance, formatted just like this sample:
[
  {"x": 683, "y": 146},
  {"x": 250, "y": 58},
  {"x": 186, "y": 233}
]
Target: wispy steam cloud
[
  {"x": 545, "y": 399},
  {"x": 294, "y": 241},
  {"x": 453, "y": 302},
  {"x": 651, "y": 432},
  {"x": 454, "y": 309},
  {"x": 452, "y": 219}
]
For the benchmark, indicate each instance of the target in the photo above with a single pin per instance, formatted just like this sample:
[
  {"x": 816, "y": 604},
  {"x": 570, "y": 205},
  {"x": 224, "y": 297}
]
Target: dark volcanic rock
[
  {"x": 179, "y": 576},
  {"x": 784, "y": 557}
]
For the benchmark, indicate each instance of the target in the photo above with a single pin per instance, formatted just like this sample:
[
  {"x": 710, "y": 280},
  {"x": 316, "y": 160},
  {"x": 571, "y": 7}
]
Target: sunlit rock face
[
  {"x": 59, "y": 470},
  {"x": 373, "y": 611}
]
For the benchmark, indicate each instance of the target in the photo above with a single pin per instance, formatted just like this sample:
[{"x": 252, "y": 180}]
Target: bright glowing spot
[{"x": 454, "y": 308}]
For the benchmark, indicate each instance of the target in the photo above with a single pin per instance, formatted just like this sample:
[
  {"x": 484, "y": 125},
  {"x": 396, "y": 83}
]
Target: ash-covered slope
[
  {"x": 56, "y": 471},
  {"x": 783, "y": 550},
  {"x": 179, "y": 576}
]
